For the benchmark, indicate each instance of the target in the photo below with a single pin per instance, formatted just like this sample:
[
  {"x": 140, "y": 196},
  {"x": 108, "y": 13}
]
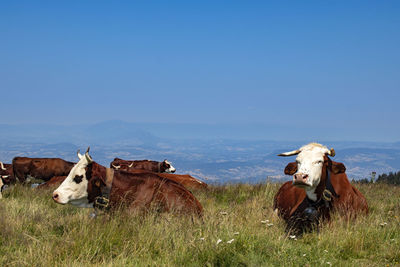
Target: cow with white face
[
  {"x": 309, "y": 163},
  {"x": 319, "y": 187},
  {"x": 90, "y": 184},
  {"x": 73, "y": 189},
  {"x": 168, "y": 166}
]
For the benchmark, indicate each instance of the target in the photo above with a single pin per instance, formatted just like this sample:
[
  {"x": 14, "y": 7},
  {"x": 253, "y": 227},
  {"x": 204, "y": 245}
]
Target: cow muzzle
[
  {"x": 300, "y": 179},
  {"x": 56, "y": 197}
]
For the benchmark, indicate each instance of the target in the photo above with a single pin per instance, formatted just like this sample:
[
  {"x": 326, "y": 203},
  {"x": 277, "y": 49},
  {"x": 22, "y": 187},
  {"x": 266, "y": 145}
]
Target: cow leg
[{"x": 305, "y": 222}]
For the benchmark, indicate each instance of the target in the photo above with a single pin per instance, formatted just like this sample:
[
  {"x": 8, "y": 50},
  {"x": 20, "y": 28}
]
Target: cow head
[
  {"x": 167, "y": 167},
  {"x": 6, "y": 174},
  {"x": 115, "y": 166},
  {"x": 6, "y": 178},
  {"x": 310, "y": 163},
  {"x": 74, "y": 189}
]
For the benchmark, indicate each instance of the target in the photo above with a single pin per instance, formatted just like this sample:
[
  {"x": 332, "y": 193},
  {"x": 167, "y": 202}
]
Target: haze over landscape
[{"x": 219, "y": 89}]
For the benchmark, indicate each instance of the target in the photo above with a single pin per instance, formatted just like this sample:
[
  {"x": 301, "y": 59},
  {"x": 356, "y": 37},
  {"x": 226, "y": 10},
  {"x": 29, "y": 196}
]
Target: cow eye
[{"x": 78, "y": 178}]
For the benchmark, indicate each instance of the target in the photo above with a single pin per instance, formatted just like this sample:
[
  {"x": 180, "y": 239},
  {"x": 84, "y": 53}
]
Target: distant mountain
[
  {"x": 108, "y": 132},
  {"x": 217, "y": 160}
]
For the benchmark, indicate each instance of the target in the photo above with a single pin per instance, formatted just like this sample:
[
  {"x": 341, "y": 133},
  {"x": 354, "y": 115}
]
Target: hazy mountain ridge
[{"x": 214, "y": 160}]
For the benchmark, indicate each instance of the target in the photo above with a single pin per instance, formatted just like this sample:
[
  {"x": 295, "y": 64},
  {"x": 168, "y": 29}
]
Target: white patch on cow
[
  {"x": 276, "y": 211},
  {"x": 311, "y": 194},
  {"x": 71, "y": 192},
  {"x": 171, "y": 168}
]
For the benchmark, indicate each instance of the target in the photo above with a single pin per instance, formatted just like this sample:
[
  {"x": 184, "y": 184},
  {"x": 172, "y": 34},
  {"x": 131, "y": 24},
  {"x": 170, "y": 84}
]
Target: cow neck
[
  {"x": 324, "y": 191},
  {"x": 105, "y": 191},
  {"x": 107, "y": 176}
]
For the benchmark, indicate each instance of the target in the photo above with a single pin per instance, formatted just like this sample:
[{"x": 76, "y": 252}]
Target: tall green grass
[{"x": 34, "y": 231}]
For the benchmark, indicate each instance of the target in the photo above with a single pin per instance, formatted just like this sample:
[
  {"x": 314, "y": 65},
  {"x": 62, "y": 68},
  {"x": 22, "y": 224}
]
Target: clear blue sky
[{"x": 316, "y": 64}]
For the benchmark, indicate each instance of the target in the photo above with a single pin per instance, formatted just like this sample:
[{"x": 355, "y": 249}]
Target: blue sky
[{"x": 333, "y": 66}]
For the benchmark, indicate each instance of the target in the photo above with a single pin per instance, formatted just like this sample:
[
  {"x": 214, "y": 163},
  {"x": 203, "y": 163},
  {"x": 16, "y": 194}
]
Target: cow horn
[
  {"x": 2, "y": 166},
  {"x": 115, "y": 167},
  {"x": 332, "y": 152},
  {"x": 87, "y": 150},
  {"x": 290, "y": 153},
  {"x": 79, "y": 154},
  {"x": 130, "y": 166},
  {"x": 88, "y": 157}
]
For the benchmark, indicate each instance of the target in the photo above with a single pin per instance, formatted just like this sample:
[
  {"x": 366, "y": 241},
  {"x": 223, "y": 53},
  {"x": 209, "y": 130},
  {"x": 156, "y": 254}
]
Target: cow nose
[
  {"x": 300, "y": 177},
  {"x": 173, "y": 171},
  {"x": 55, "y": 196}
]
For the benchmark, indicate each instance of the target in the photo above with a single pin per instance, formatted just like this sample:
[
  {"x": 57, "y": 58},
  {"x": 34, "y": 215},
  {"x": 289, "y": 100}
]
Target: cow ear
[
  {"x": 97, "y": 182},
  {"x": 337, "y": 167},
  {"x": 291, "y": 168}
]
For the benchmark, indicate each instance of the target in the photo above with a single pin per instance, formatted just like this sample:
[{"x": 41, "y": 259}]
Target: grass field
[{"x": 37, "y": 232}]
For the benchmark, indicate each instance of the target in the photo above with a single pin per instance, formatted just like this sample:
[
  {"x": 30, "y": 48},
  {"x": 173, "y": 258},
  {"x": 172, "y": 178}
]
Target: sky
[{"x": 331, "y": 66}]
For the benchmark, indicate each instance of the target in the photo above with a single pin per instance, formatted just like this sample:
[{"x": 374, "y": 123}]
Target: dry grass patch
[{"x": 239, "y": 228}]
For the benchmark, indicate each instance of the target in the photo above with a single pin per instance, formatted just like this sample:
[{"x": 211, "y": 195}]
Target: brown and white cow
[
  {"x": 6, "y": 173},
  {"x": 40, "y": 168},
  {"x": 150, "y": 165},
  {"x": 87, "y": 181},
  {"x": 319, "y": 187}
]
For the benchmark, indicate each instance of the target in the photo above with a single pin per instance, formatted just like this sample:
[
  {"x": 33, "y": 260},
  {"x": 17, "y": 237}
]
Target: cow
[
  {"x": 319, "y": 187},
  {"x": 40, "y": 168},
  {"x": 6, "y": 173},
  {"x": 184, "y": 179},
  {"x": 90, "y": 184},
  {"x": 150, "y": 165}
]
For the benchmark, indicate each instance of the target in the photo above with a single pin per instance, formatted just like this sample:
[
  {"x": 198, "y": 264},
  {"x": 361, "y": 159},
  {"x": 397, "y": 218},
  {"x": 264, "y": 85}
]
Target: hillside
[{"x": 38, "y": 232}]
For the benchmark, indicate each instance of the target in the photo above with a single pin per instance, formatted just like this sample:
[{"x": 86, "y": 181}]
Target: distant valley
[{"x": 214, "y": 160}]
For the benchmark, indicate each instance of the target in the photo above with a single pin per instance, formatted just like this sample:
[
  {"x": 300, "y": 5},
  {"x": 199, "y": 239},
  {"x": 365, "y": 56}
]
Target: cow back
[
  {"x": 40, "y": 168},
  {"x": 186, "y": 180}
]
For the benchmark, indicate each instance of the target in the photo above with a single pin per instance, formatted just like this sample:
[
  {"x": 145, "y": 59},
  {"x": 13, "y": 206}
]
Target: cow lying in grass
[
  {"x": 25, "y": 168},
  {"x": 91, "y": 185},
  {"x": 319, "y": 187},
  {"x": 164, "y": 169},
  {"x": 149, "y": 165}
]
